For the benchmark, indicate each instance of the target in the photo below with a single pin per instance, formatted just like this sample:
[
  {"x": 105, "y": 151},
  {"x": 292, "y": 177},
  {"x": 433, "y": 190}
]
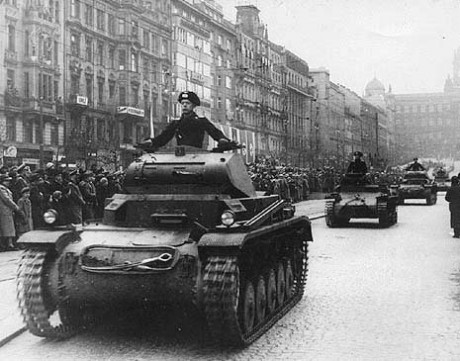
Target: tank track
[
  {"x": 35, "y": 305},
  {"x": 222, "y": 283}
]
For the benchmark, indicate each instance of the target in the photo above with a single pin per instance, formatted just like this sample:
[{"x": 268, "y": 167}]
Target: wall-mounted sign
[{"x": 131, "y": 111}]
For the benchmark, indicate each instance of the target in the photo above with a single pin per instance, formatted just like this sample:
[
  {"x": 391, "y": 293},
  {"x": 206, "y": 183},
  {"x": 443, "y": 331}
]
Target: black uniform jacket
[
  {"x": 453, "y": 197},
  {"x": 189, "y": 130},
  {"x": 357, "y": 166}
]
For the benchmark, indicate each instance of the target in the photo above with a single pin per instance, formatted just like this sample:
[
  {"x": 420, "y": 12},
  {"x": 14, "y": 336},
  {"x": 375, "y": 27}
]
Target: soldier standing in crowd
[
  {"x": 88, "y": 191},
  {"x": 453, "y": 197},
  {"x": 357, "y": 165},
  {"x": 24, "y": 222},
  {"x": 7, "y": 209}
]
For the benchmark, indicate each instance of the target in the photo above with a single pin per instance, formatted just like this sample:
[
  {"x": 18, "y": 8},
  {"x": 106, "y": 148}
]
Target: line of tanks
[{"x": 357, "y": 197}]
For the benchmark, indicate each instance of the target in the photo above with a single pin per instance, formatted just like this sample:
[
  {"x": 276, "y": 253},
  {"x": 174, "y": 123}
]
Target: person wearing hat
[
  {"x": 415, "y": 166},
  {"x": 88, "y": 192},
  {"x": 453, "y": 197},
  {"x": 189, "y": 129},
  {"x": 24, "y": 221},
  {"x": 7, "y": 209},
  {"x": 357, "y": 165}
]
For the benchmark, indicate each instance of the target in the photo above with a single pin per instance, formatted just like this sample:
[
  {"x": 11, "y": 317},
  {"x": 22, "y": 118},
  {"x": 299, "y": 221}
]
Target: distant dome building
[{"x": 374, "y": 88}]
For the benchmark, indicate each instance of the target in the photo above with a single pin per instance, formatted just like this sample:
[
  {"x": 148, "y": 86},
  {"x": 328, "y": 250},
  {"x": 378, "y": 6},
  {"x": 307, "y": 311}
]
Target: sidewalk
[{"x": 11, "y": 324}]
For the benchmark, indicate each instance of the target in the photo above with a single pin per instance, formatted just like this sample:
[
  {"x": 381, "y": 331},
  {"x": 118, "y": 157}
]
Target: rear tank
[
  {"x": 357, "y": 197},
  {"x": 190, "y": 229}
]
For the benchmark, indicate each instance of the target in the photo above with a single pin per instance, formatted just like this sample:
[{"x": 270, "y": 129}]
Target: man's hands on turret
[{"x": 146, "y": 145}]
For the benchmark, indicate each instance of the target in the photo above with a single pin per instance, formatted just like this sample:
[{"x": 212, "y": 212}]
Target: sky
[{"x": 408, "y": 44}]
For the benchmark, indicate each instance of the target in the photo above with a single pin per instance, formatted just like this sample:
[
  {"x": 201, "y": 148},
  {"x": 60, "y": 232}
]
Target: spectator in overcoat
[
  {"x": 7, "y": 210},
  {"x": 453, "y": 197},
  {"x": 24, "y": 221},
  {"x": 74, "y": 199}
]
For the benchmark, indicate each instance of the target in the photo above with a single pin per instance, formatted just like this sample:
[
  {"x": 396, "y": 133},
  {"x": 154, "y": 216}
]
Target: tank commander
[
  {"x": 357, "y": 165},
  {"x": 189, "y": 129},
  {"x": 415, "y": 166}
]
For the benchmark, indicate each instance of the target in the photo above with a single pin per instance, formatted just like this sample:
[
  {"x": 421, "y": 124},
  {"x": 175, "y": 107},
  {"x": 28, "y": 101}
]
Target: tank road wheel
[
  {"x": 271, "y": 291},
  {"x": 39, "y": 293},
  {"x": 280, "y": 285},
  {"x": 261, "y": 300},
  {"x": 331, "y": 220},
  {"x": 289, "y": 279},
  {"x": 248, "y": 311}
]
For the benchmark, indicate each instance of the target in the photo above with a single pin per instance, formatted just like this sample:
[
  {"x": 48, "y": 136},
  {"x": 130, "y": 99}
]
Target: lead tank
[
  {"x": 357, "y": 197},
  {"x": 189, "y": 230}
]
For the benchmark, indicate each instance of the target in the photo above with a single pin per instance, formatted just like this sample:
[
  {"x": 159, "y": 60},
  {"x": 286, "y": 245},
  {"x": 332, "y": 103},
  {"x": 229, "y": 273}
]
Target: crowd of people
[{"x": 78, "y": 195}]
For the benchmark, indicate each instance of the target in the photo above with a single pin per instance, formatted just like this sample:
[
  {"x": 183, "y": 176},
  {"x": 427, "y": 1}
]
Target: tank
[
  {"x": 442, "y": 179},
  {"x": 417, "y": 185},
  {"x": 356, "y": 197},
  {"x": 190, "y": 230}
]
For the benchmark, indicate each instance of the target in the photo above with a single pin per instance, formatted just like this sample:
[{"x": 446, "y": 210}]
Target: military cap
[
  {"x": 25, "y": 189},
  {"x": 358, "y": 153},
  {"x": 49, "y": 165},
  {"x": 190, "y": 96}
]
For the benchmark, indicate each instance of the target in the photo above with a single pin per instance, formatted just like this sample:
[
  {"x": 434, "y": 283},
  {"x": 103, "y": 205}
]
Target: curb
[
  {"x": 316, "y": 216},
  {"x": 11, "y": 336}
]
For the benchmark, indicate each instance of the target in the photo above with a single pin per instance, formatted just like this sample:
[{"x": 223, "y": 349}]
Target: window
[
  {"x": 74, "y": 85},
  {"x": 100, "y": 52},
  {"x": 134, "y": 30},
  {"x": 122, "y": 59},
  {"x": 219, "y": 103},
  {"x": 26, "y": 85},
  {"x": 229, "y": 45},
  {"x": 146, "y": 39},
  {"x": 164, "y": 47},
  {"x": 26, "y": 43},
  {"x": 75, "y": 45},
  {"x": 56, "y": 11},
  {"x": 11, "y": 38},
  {"x": 122, "y": 95},
  {"x": 27, "y": 130},
  {"x": 100, "y": 19},
  {"x": 54, "y": 134},
  {"x": 135, "y": 96},
  {"x": 10, "y": 79},
  {"x": 219, "y": 80},
  {"x": 121, "y": 27},
  {"x": 134, "y": 62},
  {"x": 10, "y": 129},
  {"x": 89, "y": 48},
  {"x": 112, "y": 56},
  {"x": 127, "y": 132},
  {"x": 89, "y": 87},
  {"x": 75, "y": 8},
  {"x": 56, "y": 90},
  {"x": 89, "y": 15},
  {"x": 45, "y": 87},
  {"x": 100, "y": 90},
  {"x": 100, "y": 129},
  {"x": 111, "y": 89},
  {"x": 228, "y": 82},
  {"x": 219, "y": 40},
  {"x": 56, "y": 53},
  {"x": 219, "y": 60},
  {"x": 111, "y": 24}
]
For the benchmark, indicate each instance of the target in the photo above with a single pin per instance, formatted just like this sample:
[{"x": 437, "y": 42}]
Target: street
[{"x": 372, "y": 294}]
